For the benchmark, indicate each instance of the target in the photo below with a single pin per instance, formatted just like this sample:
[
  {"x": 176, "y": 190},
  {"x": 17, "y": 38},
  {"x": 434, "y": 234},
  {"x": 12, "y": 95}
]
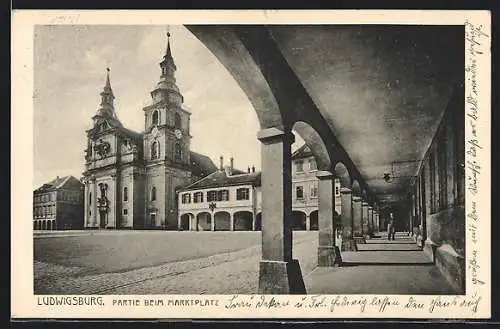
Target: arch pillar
[
  {"x": 231, "y": 221},
  {"x": 308, "y": 222},
  {"x": 279, "y": 273},
  {"x": 254, "y": 220},
  {"x": 328, "y": 252},
  {"x": 347, "y": 220},
  {"x": 357, "y": 216},
  {"x": 364, "y": 220},
  {"x": 370, "y": 221},
  {"x": 376, "y": 220},
  {"x": 212, "y": 222}
]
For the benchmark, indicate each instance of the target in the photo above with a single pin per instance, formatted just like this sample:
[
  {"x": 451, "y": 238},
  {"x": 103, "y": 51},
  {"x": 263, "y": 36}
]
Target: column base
[
  {"x": 349, "y": 245},
  {"x": 277, "y": 277},
  {"x": 359, "y": 239},
  {"x": 329, "y": 256}
]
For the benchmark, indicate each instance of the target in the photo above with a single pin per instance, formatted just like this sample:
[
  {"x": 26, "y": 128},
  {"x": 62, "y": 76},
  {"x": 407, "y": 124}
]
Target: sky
[{"x": 70, "y": 69}]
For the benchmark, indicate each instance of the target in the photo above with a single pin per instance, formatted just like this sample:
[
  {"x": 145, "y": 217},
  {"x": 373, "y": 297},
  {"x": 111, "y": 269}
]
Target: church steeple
[
  {"x": 166, "y": 89},
  {"x": 106, "y": 108}
]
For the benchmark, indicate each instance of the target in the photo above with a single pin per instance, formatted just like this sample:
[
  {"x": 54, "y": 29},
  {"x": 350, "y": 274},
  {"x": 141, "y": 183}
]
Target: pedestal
[{"x": 278, "y": 277}]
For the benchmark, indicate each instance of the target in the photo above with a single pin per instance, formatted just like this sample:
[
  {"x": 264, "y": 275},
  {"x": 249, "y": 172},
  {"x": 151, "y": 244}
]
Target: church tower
[{"x": 166, "y": 145}]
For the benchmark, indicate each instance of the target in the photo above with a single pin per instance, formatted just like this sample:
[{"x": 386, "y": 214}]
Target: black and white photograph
[{"x": 256, "y": 159}]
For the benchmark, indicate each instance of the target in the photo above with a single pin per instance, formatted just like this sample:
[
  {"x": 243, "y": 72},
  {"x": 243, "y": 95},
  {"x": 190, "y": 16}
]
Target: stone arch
[
  {"x": 227, "y": 46},
  {"x": 315, "y": 142},
  {"x": 203, "y": 221},
  {"x": 222, "y": 220},
  {"x": 313, "y": 220},
  {"x": 342, "y": 173},
  {"x": 243, "y": 220},
  {"x": 298, "y": 220},
  {"x": 356, "y": 189},
  {"x": 185, "y": 222}
]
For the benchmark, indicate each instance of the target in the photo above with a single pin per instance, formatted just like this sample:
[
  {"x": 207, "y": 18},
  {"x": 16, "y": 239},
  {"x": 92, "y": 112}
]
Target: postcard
[{"x": 251, "y": 164}]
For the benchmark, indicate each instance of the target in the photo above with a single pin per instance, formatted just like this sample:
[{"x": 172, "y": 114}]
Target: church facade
[{"x": 131, "y": 178}]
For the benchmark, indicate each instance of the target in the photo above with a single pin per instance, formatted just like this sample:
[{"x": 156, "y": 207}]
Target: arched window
[
  {"x": 156, "y": 117},
  {"x": 178, "y": 152},
  {"x": 125, "y": 194},
  {"x": 177, "y": 120},
  {"x": 155, "y": 150},
  {"x": 153, "y": 194}
]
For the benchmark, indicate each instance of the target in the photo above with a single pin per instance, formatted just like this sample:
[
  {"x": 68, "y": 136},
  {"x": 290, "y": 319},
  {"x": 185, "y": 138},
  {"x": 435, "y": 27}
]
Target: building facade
[
  {"x": 58, "y": 205},
  {"x": 231, "y": 199},
  {"x": 131, "y": 178}
]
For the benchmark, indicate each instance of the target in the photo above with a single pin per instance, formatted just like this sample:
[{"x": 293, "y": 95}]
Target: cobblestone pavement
[{"x": 233, "y": 272}]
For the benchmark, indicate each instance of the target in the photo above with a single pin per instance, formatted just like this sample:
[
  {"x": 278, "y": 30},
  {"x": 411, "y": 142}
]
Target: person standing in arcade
[{"x": 391, "y": 227}]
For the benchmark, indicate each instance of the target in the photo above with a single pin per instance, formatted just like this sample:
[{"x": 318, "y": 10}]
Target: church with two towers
[{"x": 131, "y": 178}]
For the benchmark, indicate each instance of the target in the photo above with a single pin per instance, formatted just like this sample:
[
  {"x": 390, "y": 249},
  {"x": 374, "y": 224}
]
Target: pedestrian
[{"x": 391, "y": 227}]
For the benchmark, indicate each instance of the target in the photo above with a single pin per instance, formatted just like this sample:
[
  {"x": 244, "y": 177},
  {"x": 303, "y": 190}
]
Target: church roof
[
  {"x": 60, "y": 182},
  {"x": 220, "y": 178},
  {"x": 201, "y": 165},
  {"x": 302, "y": 152}
]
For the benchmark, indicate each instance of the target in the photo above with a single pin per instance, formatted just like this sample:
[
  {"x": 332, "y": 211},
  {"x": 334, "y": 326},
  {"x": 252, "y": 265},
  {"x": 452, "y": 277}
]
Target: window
[
  {"x": 211, "y": 196},
  {"x": 312, "y": 164},
  {"x": 155, "y": 150},
  {"x": 90, "y": 198},
  {"x": 443, "y": 186},
  {"x": 432, "y": 182},
  {"x": 177, "y": 122},
  {"x": 299, "y": 192},
  {"x": 125, "y": 194},
  {"x": 299, "y": 165},
  {"x": 198, "y": 197},
  {"x": 125, "y": 212},
  {"x": 223, "y": 195},
  {"x": 242, "y": 194},
  {"x": 153, "y": 194},
  {"x": 156, "y": 118},
  {"x": 178, "y": 152},
  {"x": 186, "y": 198},
  {"x": 314, "y": 191}
]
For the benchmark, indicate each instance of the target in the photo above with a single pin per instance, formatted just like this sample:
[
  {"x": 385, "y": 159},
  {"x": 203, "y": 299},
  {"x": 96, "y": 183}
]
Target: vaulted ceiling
[{"x": 382, "y": 89}]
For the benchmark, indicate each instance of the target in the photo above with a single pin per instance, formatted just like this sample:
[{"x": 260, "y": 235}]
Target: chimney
[
  {"x": 253, "y": 169},
  {"x": 221, "y": 167},
  {"x": 248, "y": 169},
  {"x": 232, "y": 163}
]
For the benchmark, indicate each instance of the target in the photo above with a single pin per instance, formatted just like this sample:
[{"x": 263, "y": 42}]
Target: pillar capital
[
  {"x": 356, "y": 198},
  {"x": 273, "y": 135},
  {"x": 345, "y": 190},
  {"x": 370, "y": 207},
  {"x": 324, "y": 175},
  {"x": 365, "y": 204}
]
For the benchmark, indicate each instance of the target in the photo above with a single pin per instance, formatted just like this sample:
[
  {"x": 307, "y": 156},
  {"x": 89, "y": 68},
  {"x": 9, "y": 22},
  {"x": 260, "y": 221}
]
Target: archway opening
[
  {"x": 222, "y": 221},
  {"x": 258, "y": 222},
  {"x": 204, "y": 221},
  {"x": 185, "y": 222},
  {"x": 243, "y": 221},
  {"x": 313, "y": 218},
  {"x": 298, "y": 221}
]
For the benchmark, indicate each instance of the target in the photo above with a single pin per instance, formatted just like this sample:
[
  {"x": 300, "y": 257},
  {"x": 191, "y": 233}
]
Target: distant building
[
  {"x": 231, "y": 199},
  {"x": 58, "y": 205},
  {"x": 225, "y": 200}
]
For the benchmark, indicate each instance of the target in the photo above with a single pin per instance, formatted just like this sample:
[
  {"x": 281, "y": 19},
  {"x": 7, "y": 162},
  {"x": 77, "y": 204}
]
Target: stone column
[
  {"x": 231, "y": 222},
  {"x": 347, "y": 220},
  {"x": 254, "y": 219},
  {"x": 308, "y": 222},
  {"x": 212, "y": 222},
  {"x": 94, "y": 216},
  {"x": 357, "y": 216},
  {"x": 376, "y": 226},
  {"x": 364, "y": 214},
  {"x": 279, "y": 273},
  {"x": 86, "y": 216},
  {"x": 328, "y": 252},
  {"x": 370, "y": 221}
]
